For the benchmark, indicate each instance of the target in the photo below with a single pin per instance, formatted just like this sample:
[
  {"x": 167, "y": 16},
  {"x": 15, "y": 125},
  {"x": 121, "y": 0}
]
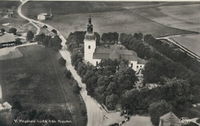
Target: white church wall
[
  {"x": 133, "y": 65},
  {"x": 89, "y": 48}
]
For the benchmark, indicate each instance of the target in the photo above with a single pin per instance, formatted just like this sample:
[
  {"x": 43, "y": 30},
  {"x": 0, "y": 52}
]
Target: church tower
[{"x": 89, "y": 42}]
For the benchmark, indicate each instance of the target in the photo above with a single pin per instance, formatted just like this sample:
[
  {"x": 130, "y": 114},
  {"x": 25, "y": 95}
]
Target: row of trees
[
  {"x": 49, "y": 41},
  {"x": 135, "y": 42},
  {"x": 173, "y": 52},
  {"x": 110, "y": 37}
]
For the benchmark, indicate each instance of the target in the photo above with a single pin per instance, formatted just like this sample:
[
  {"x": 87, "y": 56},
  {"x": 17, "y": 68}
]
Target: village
[{"x": 105, "y": 74}]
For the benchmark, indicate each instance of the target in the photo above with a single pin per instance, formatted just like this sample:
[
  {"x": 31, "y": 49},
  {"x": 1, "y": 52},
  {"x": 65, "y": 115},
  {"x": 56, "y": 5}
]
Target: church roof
[
  {"x": 116, "y": 52},
  {"x": 170, "y": 117}
]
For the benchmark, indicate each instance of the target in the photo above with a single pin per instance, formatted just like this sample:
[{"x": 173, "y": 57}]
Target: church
[{"x": 93, "y": 54}]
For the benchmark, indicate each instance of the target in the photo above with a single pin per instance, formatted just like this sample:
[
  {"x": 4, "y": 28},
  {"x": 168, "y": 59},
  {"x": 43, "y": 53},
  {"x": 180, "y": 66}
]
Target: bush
[
  {"x": 68, "y": 74},
  {"x": 198, "y": 120},
  {"x": 62, "y": 61},
  {"x": 12, "y": 30},
  {"x": 83, "y": 112},
  {"x": 29, "y": 36},
  {"x": 18, "y": 41},
  {"x": 76, "y": 88}
]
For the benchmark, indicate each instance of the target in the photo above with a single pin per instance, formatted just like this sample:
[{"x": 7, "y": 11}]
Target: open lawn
[
  {"x": 114, "y": 19},
  {"x": 37, "y": 80}
]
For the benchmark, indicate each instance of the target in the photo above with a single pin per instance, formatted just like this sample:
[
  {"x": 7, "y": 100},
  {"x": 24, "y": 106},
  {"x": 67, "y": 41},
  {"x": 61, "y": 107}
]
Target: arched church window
[{"x": 89, "y": 47}]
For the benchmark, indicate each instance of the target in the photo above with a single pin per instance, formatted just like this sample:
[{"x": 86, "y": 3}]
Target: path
[
  {"x": 95, "y": 113},
  {"x": 19, "y": 10}
]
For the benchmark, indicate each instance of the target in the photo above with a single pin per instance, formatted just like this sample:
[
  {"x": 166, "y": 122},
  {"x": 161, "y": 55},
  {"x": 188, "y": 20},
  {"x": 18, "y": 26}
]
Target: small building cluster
[{"x": 94, "y": 54}]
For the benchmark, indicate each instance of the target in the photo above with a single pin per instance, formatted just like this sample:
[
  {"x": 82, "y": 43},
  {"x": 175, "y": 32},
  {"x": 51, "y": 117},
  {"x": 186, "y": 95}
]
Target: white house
[
  {"x": 94, "y": 54},
  {"x": 42, "y": 16}
]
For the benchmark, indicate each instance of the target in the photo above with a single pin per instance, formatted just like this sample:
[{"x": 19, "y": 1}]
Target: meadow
[
  {"x": 183, "y": 16},
  {"x": 37, "y": 80},
  {"x": 191, "y": 42},
  {"x": 107, "y": 17}
]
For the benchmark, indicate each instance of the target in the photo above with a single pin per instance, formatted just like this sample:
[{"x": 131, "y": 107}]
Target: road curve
[
  {"x": 19, "y": 10},
  {"x": 96, "y": 115}
]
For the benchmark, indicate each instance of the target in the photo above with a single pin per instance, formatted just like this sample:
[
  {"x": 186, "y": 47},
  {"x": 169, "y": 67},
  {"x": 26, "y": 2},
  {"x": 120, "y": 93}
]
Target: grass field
[
  {"x": 15, "y": 53},
  {"x": 114, "y": 19},
  {"x": 192, "y": 42},
  {"x": 178, "y": 16},
  {"x": 37, "y": 80}
]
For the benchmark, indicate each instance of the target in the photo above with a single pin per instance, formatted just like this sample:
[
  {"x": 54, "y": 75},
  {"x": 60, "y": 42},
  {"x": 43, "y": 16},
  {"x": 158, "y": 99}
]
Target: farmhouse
[
  {"x": 7, "y": 39},
  {"x": 94, "y": 54},
  {"x": 169, "y": 119},
  {"x": 44, "y": 16}
]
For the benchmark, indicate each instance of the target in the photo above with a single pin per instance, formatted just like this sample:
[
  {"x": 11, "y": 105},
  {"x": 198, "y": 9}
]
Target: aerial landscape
[{"x": 99, "y": 63}]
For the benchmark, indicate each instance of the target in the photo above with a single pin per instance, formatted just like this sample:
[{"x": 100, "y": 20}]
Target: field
[
  {"x": 12, "y": 54},
  {"x": 114, "y": 19},
  {"x": 178, "y": 16},
  {"x": 192, "y": 42},
  {"x": 37, "y": 81}
]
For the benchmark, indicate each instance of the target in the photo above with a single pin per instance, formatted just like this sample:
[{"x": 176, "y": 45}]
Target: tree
[
  {"x": 152, "y": 71},
  {"x": 29, "y": 36},
  {"x": 68, "y": 74},
  {"x": 62, "y": 61},
  {"x": 55, "y": 42},
  {"x": 111, "y": 101},
  {"x": 13, "y": 30},
  {"x": 54, "y": 31},
  {"x": 158, "y": 109},
  {"x": 18, "y": 41},
  {"x": 17, "y": 105},
  {"x": 40, "y": 38},
  {"x": 76, "y": 88},
  {"x": 2, "y": 30}
]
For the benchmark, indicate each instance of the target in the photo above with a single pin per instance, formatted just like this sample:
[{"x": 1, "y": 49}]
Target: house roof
[
  {"x": 116, "y": 52},
  {"x": 7, "y": 37},
  {"x": 43, "y": 14},
  {"x": 170, "y": 117}
]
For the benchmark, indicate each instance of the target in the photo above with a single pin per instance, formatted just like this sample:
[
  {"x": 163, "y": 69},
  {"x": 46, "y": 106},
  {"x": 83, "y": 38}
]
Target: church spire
[
  {"x": 90, "y": 20},
  {"x": 90, "y": 26}
]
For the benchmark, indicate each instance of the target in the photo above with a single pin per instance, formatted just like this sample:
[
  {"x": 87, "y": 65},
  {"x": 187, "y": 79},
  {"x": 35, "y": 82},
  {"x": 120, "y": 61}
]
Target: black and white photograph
[{"x": 99, "y": 63}]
